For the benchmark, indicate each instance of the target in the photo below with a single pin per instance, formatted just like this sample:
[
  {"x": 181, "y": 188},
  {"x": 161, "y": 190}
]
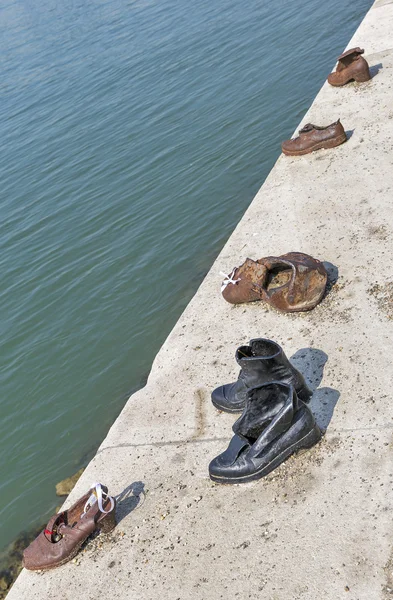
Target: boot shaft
[
  {"x": 264, "y": 361},
  {"x": 351, "y": 66},
  {"x": 350, "y": 56},
  {"x": 273, "y": 402}
]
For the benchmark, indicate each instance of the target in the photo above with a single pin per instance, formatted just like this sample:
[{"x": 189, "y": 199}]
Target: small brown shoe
[
  {"x": 66, "y": 531},
  {"x": 244, "y": 283},
  {"x": 312, "y": 137},
  {"x": 351, "y": 66},
  {"x": 292, "y": 282},
  {"x": 296, "y": 281}
]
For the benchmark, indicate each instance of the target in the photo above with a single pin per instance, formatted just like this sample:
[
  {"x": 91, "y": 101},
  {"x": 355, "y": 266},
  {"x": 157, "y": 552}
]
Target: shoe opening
[
  {"x": 278, "y": 277},
  {"x": 263, "y": 347}
]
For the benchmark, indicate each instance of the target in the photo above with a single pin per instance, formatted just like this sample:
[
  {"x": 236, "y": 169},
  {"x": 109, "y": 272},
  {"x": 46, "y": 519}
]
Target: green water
[{"x": 134, "y": 136}]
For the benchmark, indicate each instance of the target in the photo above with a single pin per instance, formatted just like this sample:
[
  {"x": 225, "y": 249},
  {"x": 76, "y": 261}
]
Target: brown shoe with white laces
[
  {"x": 65, "y": 533},
  {"x": 244, "y": 283}
]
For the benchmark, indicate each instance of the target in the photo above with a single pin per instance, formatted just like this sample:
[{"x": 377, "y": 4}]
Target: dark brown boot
[
  {"x": 311, "y": 137},
  {"x": 351, "y": 67}
]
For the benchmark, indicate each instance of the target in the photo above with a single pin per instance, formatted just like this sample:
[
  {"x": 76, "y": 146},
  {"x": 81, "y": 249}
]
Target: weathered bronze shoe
[
  {"x": 292, "y": 282},
  {"x": 295, "y": 282},
  {"x": 351, "y": 67},
  {"x": 67, "y": 530},
  {"x": 311, "y": 137},
  {"x": 244, "y": 283}
]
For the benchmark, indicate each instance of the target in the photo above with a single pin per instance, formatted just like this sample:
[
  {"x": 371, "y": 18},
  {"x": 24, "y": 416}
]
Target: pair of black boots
[{"x": 275, "y": 421}]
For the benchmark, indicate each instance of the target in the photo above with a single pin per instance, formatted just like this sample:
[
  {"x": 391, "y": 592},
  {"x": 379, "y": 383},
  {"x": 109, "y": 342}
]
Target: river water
[{"x": 134, "y": 136}]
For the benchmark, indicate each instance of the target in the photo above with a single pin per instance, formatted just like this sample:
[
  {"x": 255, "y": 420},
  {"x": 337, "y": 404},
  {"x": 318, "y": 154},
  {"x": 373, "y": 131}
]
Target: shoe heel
[
  {"x": 362, "y": 77},
  {"x": 108, "y": 522}
]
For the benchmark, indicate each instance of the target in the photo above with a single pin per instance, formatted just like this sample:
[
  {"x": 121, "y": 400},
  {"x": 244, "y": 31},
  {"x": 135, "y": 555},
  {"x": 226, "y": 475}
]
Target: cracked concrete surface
[{"x": 320, "y": 525}]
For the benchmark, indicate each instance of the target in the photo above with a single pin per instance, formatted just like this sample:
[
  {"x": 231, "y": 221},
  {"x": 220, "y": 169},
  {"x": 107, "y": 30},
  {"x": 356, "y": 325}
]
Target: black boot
[
  {"x": 262, "y": 361},
  {"x": 274, "y": 425}
]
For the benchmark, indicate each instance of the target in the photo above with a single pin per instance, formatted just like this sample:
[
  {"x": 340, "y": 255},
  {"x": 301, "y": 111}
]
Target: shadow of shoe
[
  {"x": 332, "y": 276},
  {"x": 332, "y": 273},
  {"x": 310, "y": 362},
  {"x": 374, "y": 70},
  {"x": 349, "y": 133},
  {"x": 323, "y": 403},
  {"x": 129, "y": 499}
]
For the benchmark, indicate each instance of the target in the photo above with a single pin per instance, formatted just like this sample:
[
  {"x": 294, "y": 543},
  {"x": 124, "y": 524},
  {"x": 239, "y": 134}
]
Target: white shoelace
[
  {"x": 228, "y": 279},
  {"x": 98, "y": 496}
]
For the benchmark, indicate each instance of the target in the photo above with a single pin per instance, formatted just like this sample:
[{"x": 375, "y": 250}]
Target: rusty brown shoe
[
  {"x": 244, "y": 283},
  {"x": 351, "y": 67},
  {"x": 292, "y": 282},
  {"x": 296, "y": 282},
  {"x": 67, "y": 530},
  {"x": 311, "y": 137}
]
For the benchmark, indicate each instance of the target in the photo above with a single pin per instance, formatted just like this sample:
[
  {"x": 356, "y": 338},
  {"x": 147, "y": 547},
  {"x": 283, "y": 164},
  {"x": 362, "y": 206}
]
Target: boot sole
[
  {"x": 226, "y": 409},
  {"x": 62, "y": 562},
  {"x": 307, "y": 441},
  {"x": 332, "y": 143},
  {"x": 357, "y": 79}
]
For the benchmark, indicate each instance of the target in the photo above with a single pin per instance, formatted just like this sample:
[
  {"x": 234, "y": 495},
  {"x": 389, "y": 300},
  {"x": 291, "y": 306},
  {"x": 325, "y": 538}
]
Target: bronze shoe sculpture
[
  {"x": 273, "y": 425},
  {"x": 243, "y": 284},
  {"x": 351, "y": 67},
  {"x": 292, "y": 282},
  {"x": 66, "y": 531},
  {"x": 311, "y": 138}
]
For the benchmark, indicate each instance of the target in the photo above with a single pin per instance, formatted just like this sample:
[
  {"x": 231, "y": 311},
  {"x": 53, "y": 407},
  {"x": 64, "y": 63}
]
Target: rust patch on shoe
[
  {"x": 244, "y": 283},
  {"x": 296, "y": 281}
]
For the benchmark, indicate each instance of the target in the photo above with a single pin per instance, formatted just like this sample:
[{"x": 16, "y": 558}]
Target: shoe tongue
[
  {"x": 237, "y": 445},
  {"x": 351, "y": 53},
  {"x": 308, "y": 127}
]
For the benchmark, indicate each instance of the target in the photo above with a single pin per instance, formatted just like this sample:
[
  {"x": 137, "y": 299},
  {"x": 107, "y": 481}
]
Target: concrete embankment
[{"x": 320, "y": 526}]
